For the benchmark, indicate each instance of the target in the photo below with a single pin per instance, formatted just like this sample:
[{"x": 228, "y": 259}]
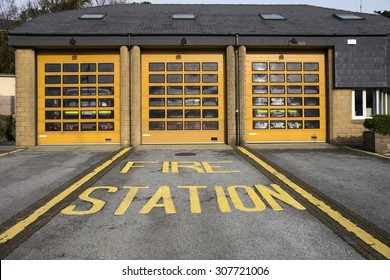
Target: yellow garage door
[
  {"x": 183, "y": 97},
  {"x": 286, "y": 97},
  {"x": 78, "y": 98}
]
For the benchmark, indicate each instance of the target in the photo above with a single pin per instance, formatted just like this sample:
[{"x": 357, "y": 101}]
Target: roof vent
[
  {"x": 92, "y": 16},
  {"x": 272, "y": 17},
  {"x": 183, "y": 16},
  {"x": 348, "y": 16}
]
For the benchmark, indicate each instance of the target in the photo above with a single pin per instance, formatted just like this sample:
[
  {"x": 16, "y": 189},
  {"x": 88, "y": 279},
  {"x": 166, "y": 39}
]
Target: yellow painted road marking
[
  {"x": 366, "y": 152},
  {"x": 367, "y": 238},
  {"x": 11, "y": 152},
  {"x": 194, "y": 197},
  {"x": 167, "y": 203},
  {"x": 20, "y": 226},
  {"x": 96, "y": 204}
]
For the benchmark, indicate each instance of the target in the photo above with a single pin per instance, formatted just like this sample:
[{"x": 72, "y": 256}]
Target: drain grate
[{"x": 185, "y": 154}]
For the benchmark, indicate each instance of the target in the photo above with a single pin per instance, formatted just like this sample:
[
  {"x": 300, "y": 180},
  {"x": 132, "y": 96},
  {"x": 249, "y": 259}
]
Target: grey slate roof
[{"x": 302, "y": 20}]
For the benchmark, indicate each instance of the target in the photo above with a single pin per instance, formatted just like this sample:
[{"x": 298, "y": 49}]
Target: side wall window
[{"x": 368, "y": 102}]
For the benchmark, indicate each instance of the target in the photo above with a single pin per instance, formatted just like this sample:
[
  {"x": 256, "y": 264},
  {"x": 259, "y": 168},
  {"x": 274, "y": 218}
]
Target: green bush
[{"x": 379, "y": 124}]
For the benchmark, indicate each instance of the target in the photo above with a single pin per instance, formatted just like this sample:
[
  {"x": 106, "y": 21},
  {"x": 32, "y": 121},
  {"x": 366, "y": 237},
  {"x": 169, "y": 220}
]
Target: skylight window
[
  {"x": 183, "y": 16},
  {"x": 92, "y": 16},
  {"x": 272, "y": 17},
  {"x": 348, "y": 17}
]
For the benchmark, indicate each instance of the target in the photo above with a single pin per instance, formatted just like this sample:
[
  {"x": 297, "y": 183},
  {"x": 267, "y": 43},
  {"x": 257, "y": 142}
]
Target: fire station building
[{"x": 234, "y": 74}]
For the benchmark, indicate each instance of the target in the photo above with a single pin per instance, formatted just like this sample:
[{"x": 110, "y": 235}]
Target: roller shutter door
[
  {"x": 286, "y": 97},
  {"x": 183, "y": 97},
  {"x": 78, "y": 98}
]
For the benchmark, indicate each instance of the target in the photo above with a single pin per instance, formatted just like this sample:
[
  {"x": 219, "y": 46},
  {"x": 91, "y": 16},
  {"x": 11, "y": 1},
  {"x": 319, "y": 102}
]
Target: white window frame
[{"x": 381, "y": 104}]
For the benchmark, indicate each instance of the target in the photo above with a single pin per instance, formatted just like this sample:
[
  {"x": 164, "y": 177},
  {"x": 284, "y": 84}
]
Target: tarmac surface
[
  {"x": 359, "y": 181},
  {"x": 191, "y": 202}
]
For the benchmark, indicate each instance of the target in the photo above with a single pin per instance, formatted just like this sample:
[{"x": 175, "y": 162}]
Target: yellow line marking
[
  {"x": 366, "y": 152},
  {"x": 11, "y": 152},
  {"x": 344, "y": 222},
  {"x": 20, "y": 226}
]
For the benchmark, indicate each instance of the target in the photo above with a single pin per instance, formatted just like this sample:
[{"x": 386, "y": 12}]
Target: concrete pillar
[
  {"x": 135, "y": 96},
  {"x": 242, "y": 93},
  {"x": 125, "y": 96},
  {"x": 231, "y": 96},
  {"x": 25, "y": 98}
]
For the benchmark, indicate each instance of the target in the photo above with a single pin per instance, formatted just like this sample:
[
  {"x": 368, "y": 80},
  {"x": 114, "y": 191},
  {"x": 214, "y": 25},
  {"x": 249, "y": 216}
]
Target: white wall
[{"x": 7, "y": 94}]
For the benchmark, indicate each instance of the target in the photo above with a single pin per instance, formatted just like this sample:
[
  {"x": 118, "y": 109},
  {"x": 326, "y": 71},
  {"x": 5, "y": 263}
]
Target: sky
[{"x": 368, "y": 6}]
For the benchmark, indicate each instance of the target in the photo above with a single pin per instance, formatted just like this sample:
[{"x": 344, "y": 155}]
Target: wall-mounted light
[
  {"x": 293, "y": 41},
  {"x": 183, "y": 41},
  {"x": 72, "y": 41}
]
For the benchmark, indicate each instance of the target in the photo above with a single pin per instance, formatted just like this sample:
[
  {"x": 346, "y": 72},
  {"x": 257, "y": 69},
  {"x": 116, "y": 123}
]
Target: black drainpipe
[{"x": 237, "y": 114}]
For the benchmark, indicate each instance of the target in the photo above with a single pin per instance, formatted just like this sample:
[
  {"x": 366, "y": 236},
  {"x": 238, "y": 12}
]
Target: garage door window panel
[
  {"x": 174, "y": 113},
  {"x": 106, "y": 126},
  {"x": 156, "y": 78},
  {"x": 276, "y": 66},
  {"x": 106, "y": 114},
  {"x": 106, "y": 67},
  {"x": 71, "y": 115},
  {"x": 50, "y": 126},
  {"x": 52, "y": 103},
  {"x": 70, "y": 67},
  {"x": 52, "y": 91},
  {"x": 157, "y": 114},
  {"x": 210, "y": 90},
  {"x": 88, "y": 79},
  {"x": 259, "y": 89},
  {"x": 52, "y": 115},
  {"x": 209, "y": 66},
  {"x": 192, "y": 66},
  {"x": 52, "y": 67},
  {"x": 88, "y": 67},
  {"x": 260, "y": 113},
  {"x": 192, "y": 125},
  {"x": 88, "y": 114},
  {"x": 156, "y": 66},
  {"x": 175, "y": 90},
  {"x": 260, "y": 124},
  {"x": 88, "y": 126},
  {"x": 294, "y": 89},
  {"x": 259, "y": 66},
  {"x": 71, "y": 126},
  {"x": 195, "y": 90},
  {"x": 174, "y": 125},
  {"x": 294, "y": 66},
  {"x": 156, "y": 90},
  {"x": 88, "y": 103},
  {"x": 156, "y": 125},
  {"x": 52, "y": 79},
  {"x": 174, "y": 66},
  {"x": 106, "y": 79},
  {"x": 70, "y": 91},
  {"x": 71, "y": 103}
]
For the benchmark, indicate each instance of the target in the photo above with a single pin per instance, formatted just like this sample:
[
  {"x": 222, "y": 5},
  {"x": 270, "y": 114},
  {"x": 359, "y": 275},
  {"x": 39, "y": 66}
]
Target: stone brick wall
[
  {"x": 242, "y": 89},
  {"x": 135, "y": 96},
  {"x": 125, "y": 96},
  {"x": 25, "y": 98},
  {"x": 344, "y": 130},
  {"x": 231, "y": 95},
  {"x": 382, "y": 143}
]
